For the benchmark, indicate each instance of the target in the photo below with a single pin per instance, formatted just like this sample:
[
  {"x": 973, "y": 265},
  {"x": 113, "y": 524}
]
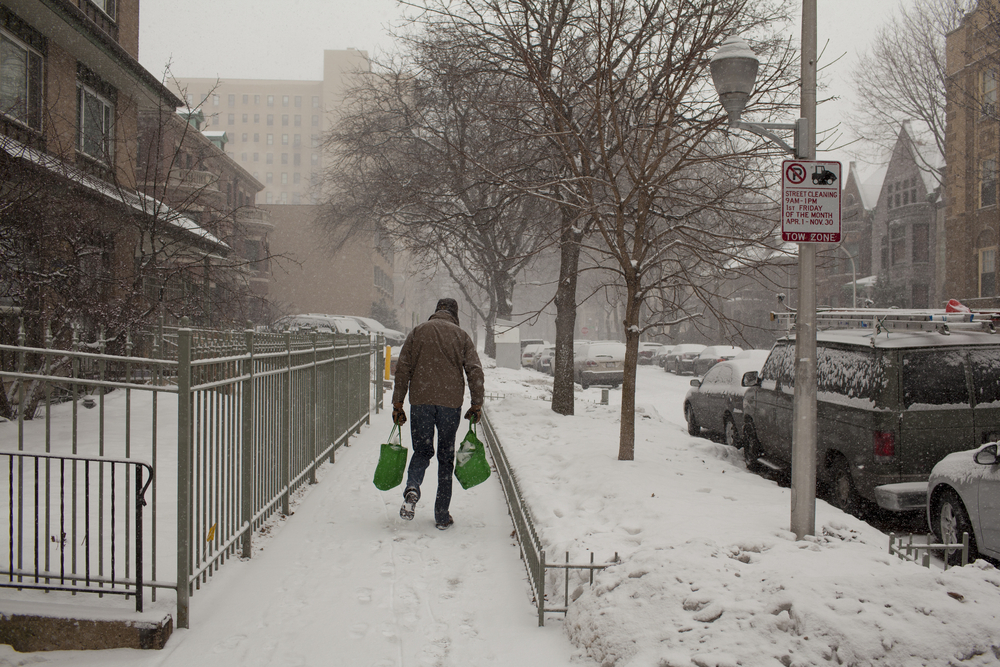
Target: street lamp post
[
  {"x": 854, "y": 276},
  {"x": 734, "y": 71}
]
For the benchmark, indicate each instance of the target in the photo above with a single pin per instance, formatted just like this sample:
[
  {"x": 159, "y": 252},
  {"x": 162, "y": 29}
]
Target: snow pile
[{"x": 710, "y": 576}]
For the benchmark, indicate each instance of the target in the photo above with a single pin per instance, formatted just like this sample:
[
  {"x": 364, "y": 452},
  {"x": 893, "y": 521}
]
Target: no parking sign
[{"x": 810, "y": 201}]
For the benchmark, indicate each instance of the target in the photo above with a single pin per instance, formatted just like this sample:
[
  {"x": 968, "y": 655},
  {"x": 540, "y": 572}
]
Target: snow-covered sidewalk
[{"x": 343, "y": 581}]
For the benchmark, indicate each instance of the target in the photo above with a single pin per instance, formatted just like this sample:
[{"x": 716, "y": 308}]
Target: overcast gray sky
[{"x": 285, "y": 40}]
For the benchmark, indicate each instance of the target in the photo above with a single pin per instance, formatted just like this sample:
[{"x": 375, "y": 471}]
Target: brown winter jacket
[{"x": 431, "y": 363}]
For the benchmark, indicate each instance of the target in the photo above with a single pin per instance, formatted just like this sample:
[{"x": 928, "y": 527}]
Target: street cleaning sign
[{"x": 810, "y": 201}]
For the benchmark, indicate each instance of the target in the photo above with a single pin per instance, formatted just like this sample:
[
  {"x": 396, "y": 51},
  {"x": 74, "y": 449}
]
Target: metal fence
[
  {"x": 230, "y": 424},
  {"x": 904, "y": 548},
  {"x": 531, "y": 547}
]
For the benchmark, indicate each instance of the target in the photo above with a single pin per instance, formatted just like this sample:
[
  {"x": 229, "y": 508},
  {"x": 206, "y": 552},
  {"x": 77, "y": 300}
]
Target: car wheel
[
  {"x": 843, "y": 494},
  {"x": 693, "y": 428},
  {"x": 584, "y": 383},
  {"x": 751, "y": 447},
  {"x": 732, "y": 435},
  {"x": 950, "y": 521}
]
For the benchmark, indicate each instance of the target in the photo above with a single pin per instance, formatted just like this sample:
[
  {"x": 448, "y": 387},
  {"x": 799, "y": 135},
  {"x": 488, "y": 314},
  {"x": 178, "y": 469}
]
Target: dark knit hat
[{"x": 448, "y": 304}]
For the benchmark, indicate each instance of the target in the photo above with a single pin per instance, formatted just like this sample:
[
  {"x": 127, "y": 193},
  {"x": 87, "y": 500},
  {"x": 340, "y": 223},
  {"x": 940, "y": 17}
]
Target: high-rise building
[{"x": 276, "y": 127}]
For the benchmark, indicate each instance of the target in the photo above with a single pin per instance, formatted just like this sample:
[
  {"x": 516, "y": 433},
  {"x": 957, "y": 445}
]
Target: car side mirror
[
  {"x": 988, "y": 455},
  {"x": 696, "y": 383},
  {"x": 749, "y": 379}
]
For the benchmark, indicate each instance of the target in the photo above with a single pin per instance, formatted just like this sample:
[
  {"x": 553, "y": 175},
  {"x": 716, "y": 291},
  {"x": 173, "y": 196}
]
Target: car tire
[
  {"x": 693, "y": 428},
  {"x": 729, "y": 429},
  {"x": 843, "y": 494},
  {"x": 751, "y": 446},
  {"x": 583, "y": 383},
  {"x": 951, "y": 520}
]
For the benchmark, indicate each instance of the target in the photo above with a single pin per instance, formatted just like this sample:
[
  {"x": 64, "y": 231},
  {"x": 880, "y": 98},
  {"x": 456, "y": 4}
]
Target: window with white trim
[
  {"x": 106, "y": 6},
  {"x": 988, "y": 271},
  {"x": 95, "y": 124},
  {"x": 20, "y": 82},
  {"x": 989, "y": 91},
  {"x": 988, "y": 183}
]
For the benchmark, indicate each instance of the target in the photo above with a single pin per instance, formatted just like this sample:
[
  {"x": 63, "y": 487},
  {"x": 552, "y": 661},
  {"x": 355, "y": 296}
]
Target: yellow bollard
[{"x": 388, "y": 360}]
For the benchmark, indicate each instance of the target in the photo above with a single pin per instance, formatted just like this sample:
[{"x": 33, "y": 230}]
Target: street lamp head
[{"x": 734, "y": 71}]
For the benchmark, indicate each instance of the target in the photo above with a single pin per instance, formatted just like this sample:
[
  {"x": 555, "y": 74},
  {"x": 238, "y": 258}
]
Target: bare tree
[
  {"x": 622, "y": 95},
  {"x": 418, "y": 156},
  {"x": 902, "y": 76}
]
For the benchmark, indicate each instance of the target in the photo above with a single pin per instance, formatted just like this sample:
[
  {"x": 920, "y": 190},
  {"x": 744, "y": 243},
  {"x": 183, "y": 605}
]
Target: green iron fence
[{"x": 231, "y": 424}]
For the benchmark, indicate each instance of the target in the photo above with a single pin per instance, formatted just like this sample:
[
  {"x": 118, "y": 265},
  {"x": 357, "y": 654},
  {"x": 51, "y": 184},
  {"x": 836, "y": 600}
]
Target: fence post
[
  {"x": 246, "y": 464},
  {"x": 315, "y": 411},
  {"x": 183, "y": 476},
  {"x": 541, "y": 590},
  {"x": 285, "y": 455}
]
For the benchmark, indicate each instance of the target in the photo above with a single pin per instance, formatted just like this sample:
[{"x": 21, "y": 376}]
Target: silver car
[
  {"x": 715, "y": 402},
  {"x": 599, "y": 362},
  {"x": 963, "y": 496}
]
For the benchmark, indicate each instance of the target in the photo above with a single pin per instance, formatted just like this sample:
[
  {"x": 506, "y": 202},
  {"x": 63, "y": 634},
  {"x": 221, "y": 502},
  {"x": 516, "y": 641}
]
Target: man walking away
[{"x": 431, "y": 365}]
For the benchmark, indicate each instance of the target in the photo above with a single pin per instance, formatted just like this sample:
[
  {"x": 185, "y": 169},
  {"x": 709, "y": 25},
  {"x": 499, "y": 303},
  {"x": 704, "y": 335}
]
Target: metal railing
[
  {"x": 903, "y": 547},
  {"x": 527, "y": 536},
  {"x": 66, "y": 512},
  {"x": 256, "y": 414}
]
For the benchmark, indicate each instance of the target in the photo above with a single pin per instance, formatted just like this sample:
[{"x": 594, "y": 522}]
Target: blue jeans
[{"x": 423, "y": 420}]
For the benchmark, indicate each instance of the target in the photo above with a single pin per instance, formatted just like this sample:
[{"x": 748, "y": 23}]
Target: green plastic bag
[
  {"x": 391, "y": 462},
  {"x": 471, "y": 466}
]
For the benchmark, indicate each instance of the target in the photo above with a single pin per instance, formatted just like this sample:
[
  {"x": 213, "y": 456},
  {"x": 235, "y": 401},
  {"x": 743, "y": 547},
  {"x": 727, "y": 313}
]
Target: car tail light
[
  {"x": 591, "y": 363},
  {"x": 885, "y": 443}
]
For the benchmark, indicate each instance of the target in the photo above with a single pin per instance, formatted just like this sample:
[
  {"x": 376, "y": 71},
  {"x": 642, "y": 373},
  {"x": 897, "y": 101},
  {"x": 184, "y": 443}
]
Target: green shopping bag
[
  {"x": 391, "y": 462},
  {"x": 471, "y": 466}
]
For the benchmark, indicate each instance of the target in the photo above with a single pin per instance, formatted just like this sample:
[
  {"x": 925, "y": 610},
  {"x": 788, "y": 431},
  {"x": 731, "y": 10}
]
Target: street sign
[{"x": 810, "y": 201}]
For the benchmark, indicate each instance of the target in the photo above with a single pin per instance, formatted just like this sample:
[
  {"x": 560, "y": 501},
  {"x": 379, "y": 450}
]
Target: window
[
  {"x": 246, "y": 118},
  {"x": 269, "y": 158},
  {"x": 314, "y": 140},
  {"x": 20, "y": 83},
  {"x": 298, "y": 120},
  {"x": 284, "y": 140},
  {"x": 284, "y": 178},
  {"x": 934, "y": 377},
  {"x": 94, "y": 124},
  {"x": 244, "y": 137},
  {"x": 246, "y": 99},
  {"x": 189, "y": 98},
  {"x": 897, "y": 241},
  {"x": 269, "y": 197},
  {"x": 284, "y": 100},
  {"x": 284, "y": 158},
  {"x": 232, "y": 119},
  {"x": 243, "y": 157},
  {"x": 269, "y": 177},
  {"x": 270, "y": 100},
  {"x": 284, "y": 197},
  {"x": 296, "y": 198},
  {"x": 779, "y": 369},
  {"x": 270, "y": 119},
  {"x": 297, "y": 140},
  {"x": 297, "y": 178},
  {"x": 256, "y": 157},
  {"x": 315, "y": 102},
  {"x": 256, "y": 99},
  {"x": 297, "y": 159},
  {"x": 985, "y": 375},
  {"x": 298, "y": 100},
  {"x": 314, "y": 158},
  {"x": 215, "y": 100},
  {"x": 315, "y": 121},
  {"x": 270, "y": 140},
  {"x": 256, "y": 137},
  {"x": 284, "y": 119},
  {"x": 106, "y": 6},
  {"x": 988, "y": 183},
  {"x": 256, "y": 118},
  {"x": 921, "y": 242},
  {"x": 988, "y": 272},
  {"x": 989, "y": 92},
  {"x": 232, "y": 100}
]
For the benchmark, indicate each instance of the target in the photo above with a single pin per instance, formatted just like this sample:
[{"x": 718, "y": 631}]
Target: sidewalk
[{"x": 344, "y": 581}]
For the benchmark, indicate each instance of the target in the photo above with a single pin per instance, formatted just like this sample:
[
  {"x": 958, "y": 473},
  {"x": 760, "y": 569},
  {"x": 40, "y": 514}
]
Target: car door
[
  {"x": 711, "y": 399},
  {"x": 773, "y": 404}
]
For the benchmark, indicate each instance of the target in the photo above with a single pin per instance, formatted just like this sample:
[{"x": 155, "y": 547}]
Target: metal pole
[
  {"x": 854, "y": 276},
  {"x": 246, "y": 454},
  {"x": 803, "y": 512},
  {"x": 183, "y": 475}
]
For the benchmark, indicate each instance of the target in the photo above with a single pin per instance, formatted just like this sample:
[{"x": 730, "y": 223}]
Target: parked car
[
  {"x": 753, "y": 354},
  {"x": 963, "y": 496},
  {"x": 715, "y": 403},
  {"x": 543, "y": 359},
  {"x": 392, "y": 337},
  {"x": 533, "y": 341},
  {"x": 647, "y": 351},
  {"x": 528, "y": 354},
  {"x": 661, "y": 355},
  {"x": 318, "y": 323},
  {"x": 889, "y": 407},
  {"x": 599, "y": 362},
  {"x": 712, "y": 355},
  {"x": 681, "y": 358}
]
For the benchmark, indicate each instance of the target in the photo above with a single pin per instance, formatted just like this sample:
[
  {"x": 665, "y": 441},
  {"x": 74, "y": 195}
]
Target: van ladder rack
[{"x": 897, "y": 319}]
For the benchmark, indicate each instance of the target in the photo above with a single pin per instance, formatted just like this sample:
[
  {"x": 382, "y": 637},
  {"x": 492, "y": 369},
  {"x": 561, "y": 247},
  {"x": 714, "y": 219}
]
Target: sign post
[{"x": 810, "y": 201}]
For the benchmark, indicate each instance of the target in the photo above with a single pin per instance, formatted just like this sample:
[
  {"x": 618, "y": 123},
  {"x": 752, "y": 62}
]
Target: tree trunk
[
  {"x": 569, "y": 260},
  {"x": 626, "y": 444}
]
